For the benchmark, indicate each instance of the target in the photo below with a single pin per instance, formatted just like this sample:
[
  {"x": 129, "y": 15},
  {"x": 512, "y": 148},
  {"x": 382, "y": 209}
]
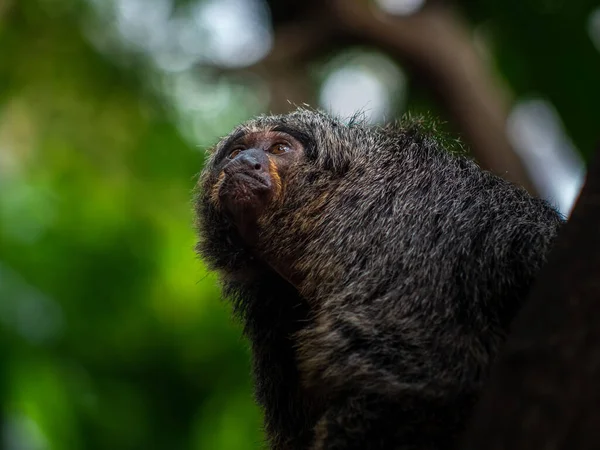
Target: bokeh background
[{"x": 112, "y": 333}]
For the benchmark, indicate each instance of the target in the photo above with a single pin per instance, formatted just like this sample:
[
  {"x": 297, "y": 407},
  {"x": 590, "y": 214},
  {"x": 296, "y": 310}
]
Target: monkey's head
[
  {"x": 248, "y": 177},
  {"x": 250, "y": 173}
]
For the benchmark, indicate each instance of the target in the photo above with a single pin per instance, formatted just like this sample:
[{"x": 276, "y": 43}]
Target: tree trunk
[{"x": 545, "y": 389}]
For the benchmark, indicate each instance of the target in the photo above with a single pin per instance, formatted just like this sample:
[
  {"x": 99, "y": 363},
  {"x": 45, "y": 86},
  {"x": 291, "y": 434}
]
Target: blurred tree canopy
[{"x": 111, "y": 331}]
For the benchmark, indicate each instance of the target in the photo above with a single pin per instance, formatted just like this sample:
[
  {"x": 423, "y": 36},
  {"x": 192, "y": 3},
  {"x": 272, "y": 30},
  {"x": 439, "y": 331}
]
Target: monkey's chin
[{"x": 245, "y": 199}]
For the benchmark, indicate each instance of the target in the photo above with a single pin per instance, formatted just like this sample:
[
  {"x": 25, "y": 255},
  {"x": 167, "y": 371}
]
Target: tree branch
[{"x": 435, "y": 43}]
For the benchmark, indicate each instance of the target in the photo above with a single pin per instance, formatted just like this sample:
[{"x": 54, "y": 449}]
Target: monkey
[{"x": 376, "y": 270}]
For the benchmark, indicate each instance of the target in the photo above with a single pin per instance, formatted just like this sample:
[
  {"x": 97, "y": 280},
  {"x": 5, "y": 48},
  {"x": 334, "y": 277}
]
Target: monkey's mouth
[
  {"x": 245, "y": 196},
  {"x": 243, "y": 187},
  {"x": 251, "y": 179}
]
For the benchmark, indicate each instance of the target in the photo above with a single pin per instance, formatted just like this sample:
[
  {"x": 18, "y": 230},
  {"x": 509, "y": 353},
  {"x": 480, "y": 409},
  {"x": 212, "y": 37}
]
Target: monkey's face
[
  {"x": 250, "y": 171},
  {"x": 266, "y": 187}
]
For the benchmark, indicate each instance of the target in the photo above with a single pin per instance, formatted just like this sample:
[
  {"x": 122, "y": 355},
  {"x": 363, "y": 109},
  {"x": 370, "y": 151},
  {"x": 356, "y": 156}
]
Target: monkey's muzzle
[{"x": 247, "y": 188}]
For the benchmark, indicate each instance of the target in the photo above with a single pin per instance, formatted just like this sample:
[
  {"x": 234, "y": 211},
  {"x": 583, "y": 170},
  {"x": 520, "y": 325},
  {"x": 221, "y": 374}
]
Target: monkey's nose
[{"x": 252, "y": 159}]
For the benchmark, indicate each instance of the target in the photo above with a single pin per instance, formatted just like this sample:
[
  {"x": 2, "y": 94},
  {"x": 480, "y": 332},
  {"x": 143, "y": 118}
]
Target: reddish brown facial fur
[{"x": 250, "y": 177}]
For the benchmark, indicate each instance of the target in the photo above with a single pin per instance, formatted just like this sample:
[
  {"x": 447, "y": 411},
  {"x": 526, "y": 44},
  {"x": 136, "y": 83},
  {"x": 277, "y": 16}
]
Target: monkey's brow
[
  {"x": 231, "y": 140},
  {"x": 301, "y": 136}
]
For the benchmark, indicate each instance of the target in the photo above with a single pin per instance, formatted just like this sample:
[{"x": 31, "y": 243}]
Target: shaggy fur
[{"x": 403, "y": 265}]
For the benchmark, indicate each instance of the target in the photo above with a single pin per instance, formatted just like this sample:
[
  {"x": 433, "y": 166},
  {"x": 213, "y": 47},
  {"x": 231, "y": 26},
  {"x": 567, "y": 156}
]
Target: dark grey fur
[{"x": 407, "y": 264}]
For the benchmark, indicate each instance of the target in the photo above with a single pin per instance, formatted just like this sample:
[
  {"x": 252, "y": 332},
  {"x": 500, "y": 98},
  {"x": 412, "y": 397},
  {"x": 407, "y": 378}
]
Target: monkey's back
[{"x": 417, "y": 252}]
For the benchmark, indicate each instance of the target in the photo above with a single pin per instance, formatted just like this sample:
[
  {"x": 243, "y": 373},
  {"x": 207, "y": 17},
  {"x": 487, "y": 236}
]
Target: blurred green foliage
[{"x": 111, "y": 331}]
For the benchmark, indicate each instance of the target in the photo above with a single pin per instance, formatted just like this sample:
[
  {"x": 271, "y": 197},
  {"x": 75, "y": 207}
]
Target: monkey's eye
[
  {"x": 234, "y": 153},
  {"x": 278, "y": 149}
]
